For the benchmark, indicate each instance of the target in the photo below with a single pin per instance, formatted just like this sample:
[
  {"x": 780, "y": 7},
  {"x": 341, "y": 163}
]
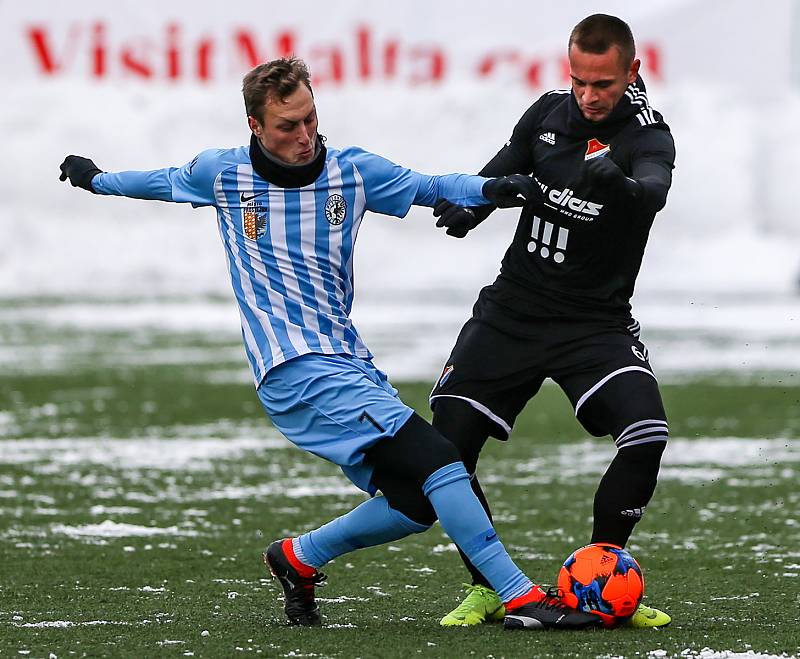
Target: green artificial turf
[{"x": 178, "y": 449}]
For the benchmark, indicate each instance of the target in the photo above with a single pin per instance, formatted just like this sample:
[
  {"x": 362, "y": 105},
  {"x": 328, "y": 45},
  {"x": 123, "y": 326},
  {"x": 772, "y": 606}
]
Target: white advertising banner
[
  {"x": 353, "y": 42},
  {"x": 436, "y": 86}
]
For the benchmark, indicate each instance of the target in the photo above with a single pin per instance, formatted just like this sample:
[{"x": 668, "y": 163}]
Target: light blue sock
[
  {"x": 465, "y": 521},
  {"x": 369, "y": 524}
]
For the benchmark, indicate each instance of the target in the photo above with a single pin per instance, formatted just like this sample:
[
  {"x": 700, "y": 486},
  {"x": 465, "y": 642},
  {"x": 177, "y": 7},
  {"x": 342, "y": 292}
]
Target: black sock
[{"x": 624, "y": 491}]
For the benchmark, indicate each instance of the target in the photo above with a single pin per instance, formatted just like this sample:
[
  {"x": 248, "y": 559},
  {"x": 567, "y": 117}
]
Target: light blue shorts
[{"x": 334, "y": 406}]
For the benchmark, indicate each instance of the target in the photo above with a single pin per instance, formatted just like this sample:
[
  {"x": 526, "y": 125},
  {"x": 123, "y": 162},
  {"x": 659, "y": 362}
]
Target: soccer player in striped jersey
[
  {"x": 288, "y": 210},
  {"x": 560, "y": 307}
]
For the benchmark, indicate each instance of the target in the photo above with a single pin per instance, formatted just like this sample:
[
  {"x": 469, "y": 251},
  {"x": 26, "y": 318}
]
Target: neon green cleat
[
  {"x": 481, "y": 605},
  {"x": 646, "y": 616}
]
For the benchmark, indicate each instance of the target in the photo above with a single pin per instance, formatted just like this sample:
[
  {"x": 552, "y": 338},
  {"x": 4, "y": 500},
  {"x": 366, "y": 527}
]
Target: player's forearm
[
  {"x": 153, "y": 184},
  {"x": 650, "y": 184},
  {"x": 460, "y": 189}
]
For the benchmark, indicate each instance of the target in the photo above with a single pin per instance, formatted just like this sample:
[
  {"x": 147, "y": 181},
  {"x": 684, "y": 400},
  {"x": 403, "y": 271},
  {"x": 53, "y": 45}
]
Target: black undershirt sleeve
[
  {"x": 651, "y": 167},
  {"x": 515, "y": 157},
  {"x": 654, "y": 179}
]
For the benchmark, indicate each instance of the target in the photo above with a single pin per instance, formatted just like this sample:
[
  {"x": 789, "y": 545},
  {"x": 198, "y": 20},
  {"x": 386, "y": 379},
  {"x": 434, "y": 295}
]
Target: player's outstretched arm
[
  {"x": 504, "y": 192},
  {"x": 392, "y": 190},
  {"x": 83, "y": 173},
  {"x": 192, "y": 183},
  {"x": 460, "y": 220}
]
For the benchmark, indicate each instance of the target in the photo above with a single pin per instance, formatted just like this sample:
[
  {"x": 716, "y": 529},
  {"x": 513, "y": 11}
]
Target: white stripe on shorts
[
  {"x": 480, "y": 407},
  {"x": 619, "y": 371}
]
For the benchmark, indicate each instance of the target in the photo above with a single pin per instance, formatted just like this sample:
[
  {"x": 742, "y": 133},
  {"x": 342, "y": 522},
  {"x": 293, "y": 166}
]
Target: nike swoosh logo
[
  {"x": 287, "y": 580},
  {"x": 245, "y": 198},
  {"x": 490, "y": 536}
]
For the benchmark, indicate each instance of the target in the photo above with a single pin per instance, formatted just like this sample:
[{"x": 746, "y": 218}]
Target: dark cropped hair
[
  {"x": 273, "y": 80},
  {"x": 597, "y": 33}
]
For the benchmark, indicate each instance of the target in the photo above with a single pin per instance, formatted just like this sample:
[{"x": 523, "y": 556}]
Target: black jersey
[{"x": 578, "y": 252}]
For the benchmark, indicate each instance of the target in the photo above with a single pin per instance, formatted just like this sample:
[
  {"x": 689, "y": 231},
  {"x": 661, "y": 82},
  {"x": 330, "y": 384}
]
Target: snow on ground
[
  {"x": 708, "y": 653},
  {"x": 689, "y": 460},
  {"x": 686, "y": 459},
  {"x": 111, "y": 529},
  {"x": 61, "y": 624},
  {"x": 171, "y": 454},
  {"x": 410, "y": 336}
]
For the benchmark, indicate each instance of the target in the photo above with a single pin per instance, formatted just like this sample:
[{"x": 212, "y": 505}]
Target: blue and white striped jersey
[{"x": 290, "y": 250}]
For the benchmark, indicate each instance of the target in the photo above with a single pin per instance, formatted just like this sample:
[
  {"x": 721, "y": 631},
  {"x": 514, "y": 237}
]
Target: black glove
[
  {"x": 458, "y": 220},
  {"x": 80, "y": 172},
  {"x": 511, "y": 191},
  {"x": 605, "y": 175}
]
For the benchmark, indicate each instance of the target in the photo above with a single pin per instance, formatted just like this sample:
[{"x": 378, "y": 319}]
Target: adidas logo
[
  {"x": 633, "y": 512},
  {"x": 550, "y": 138}
]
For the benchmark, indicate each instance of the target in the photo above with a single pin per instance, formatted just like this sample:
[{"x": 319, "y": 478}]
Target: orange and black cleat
[{"x": 298, "y": 581}]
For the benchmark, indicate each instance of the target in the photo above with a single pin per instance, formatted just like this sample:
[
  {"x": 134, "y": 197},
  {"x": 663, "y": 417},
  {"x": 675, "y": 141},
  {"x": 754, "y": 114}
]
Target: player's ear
[
  {"x": 634, "y": 70},
  {"x": 255, "y": 125}
]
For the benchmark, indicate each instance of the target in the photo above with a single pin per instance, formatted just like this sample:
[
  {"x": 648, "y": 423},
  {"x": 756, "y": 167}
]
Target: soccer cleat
[
  {"x": 540, "y": 610},
  {"x": 481, "y": 605},
  {"x": 646, "y": 616},
  {"x": 298, "y": 582}
]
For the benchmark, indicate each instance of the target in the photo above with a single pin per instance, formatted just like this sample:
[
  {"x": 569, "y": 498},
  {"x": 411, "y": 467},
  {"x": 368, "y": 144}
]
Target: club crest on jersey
[
  {"x": 335, "y": 209},
  {"x": 448, "y": 370},
  {"x": 255, "y": 220},
  {"x": 596, "y": 149}
]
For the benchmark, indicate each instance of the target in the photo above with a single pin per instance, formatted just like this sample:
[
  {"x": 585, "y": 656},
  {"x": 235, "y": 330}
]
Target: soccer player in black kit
[{"x": 560, "y": 308}]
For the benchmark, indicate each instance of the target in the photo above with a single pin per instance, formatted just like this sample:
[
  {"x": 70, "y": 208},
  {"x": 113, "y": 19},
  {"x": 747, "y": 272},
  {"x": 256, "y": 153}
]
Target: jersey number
[{"x": 366, "y": 417}]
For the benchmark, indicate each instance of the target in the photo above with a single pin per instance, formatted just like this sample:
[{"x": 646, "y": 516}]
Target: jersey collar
[{"x": 286, "y": 176}]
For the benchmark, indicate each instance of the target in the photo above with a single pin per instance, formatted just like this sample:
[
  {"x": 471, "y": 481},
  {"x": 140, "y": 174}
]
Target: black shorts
[{"x": 602, "y": 367}]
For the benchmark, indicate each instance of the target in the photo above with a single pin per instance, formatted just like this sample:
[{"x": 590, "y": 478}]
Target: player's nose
[
  {"x": 303, "y": 136},
  {"x": 590, "y": 95}
]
